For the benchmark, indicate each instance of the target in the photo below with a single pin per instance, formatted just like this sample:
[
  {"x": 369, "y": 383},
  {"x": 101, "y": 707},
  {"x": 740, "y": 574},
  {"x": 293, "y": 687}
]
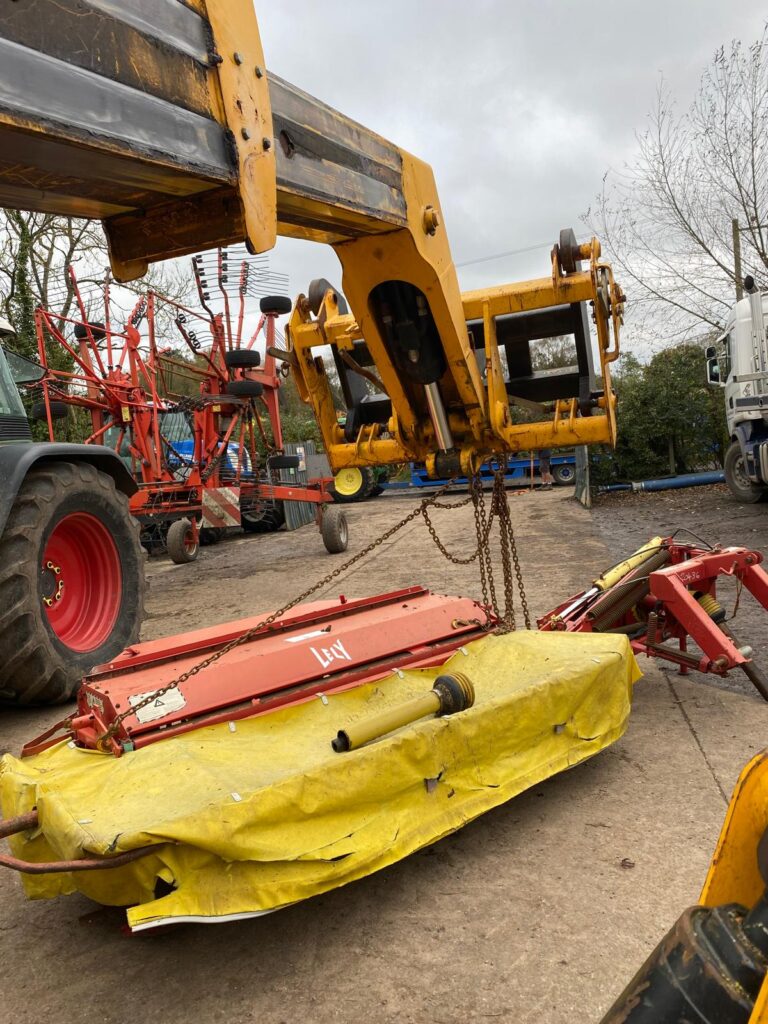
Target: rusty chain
[
  {"x": 483, "y": 526},
  {"x": 509, "y": 553}
]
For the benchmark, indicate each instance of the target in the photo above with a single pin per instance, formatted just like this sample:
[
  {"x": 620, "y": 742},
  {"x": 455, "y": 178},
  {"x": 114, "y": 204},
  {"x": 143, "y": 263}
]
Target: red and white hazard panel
[{"x": 221, "y": 507}]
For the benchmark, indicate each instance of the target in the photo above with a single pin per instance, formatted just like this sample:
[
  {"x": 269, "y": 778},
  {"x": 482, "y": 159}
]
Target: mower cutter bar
[{"x": 315, "y": 649}]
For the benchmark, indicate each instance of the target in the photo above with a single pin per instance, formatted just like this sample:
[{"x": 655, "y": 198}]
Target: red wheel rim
[
  {"x": 81, "y": 582},
  {"x": 190, "y": 542}
]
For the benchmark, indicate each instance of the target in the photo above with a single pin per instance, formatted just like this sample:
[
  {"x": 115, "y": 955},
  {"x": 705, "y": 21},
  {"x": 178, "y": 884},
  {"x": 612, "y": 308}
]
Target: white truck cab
[{"x": 738, "y": 363}]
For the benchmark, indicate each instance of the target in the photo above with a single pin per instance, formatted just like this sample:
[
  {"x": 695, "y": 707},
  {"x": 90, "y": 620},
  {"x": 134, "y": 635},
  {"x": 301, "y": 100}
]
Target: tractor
[{"x": 71, "y": 565}]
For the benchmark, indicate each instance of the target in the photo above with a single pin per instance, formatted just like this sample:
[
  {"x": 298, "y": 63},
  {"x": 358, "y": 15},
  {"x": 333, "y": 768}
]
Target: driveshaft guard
[{"x": 259, "y": 814}]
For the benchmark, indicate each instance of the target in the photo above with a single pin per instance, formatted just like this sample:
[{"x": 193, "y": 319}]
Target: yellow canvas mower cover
[{"x": 254, "y": 815}]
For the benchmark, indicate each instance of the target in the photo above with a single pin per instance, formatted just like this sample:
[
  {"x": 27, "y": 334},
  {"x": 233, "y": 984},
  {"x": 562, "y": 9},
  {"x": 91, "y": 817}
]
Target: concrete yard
[{"x": 539, "y": 911}]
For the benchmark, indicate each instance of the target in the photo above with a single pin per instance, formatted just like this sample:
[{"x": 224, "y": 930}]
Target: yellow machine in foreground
[
  {"x": 163, "y": 122},
  {"x": 710, "y": 968},
  {"x": 283, "y": 816}
]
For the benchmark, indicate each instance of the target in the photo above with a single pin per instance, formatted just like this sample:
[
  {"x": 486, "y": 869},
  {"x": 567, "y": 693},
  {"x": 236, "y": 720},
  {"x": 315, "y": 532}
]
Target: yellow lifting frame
[{"x": 479, "y": 414}]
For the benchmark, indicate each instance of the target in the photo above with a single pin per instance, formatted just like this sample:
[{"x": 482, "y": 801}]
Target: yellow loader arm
[{"x": 159, "y": 118}]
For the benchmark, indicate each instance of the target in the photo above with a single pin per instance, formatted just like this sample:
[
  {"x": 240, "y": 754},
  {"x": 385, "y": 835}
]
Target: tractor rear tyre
[
  {"x": 181, "y": 543},
  {"x": 355, "y": 483},
  {"x": 739, "y": 484},
  {"x": 71, "y": 582},
  {"x": 334, "y": 530}
]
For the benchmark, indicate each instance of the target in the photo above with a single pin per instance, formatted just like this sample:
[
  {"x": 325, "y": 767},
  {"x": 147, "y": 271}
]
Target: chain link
[
  {"x": 482, "y": 529},
  {"x": 509, "y": 554},
  {"x": 483, "y": 526}
]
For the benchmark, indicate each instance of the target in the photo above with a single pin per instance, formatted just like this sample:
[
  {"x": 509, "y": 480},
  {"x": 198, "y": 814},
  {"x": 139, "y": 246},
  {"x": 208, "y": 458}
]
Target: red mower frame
[{"x": 671, "y": 598}]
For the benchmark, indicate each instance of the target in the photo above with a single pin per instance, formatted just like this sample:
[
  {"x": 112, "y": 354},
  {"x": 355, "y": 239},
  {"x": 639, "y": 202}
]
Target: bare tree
[
  {"x": 35, "y": 252},
  {"x": 553, "y": 353},
  {"x": 666, "y": 217}
]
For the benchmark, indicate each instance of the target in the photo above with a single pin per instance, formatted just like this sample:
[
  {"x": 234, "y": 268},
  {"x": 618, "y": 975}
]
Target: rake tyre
[
  {"x": 265, "y": 517},
  {"x": 238, "y": 358},
  {"x": 59, "y": 411},
  {"x": 280, "y": 305},
  {"x": 245, "y": 388},
  {"x": 71, "y": 582},
  {"x": 210, "y": 535},
  {"x": 182, "y": 544},
  {"x": 283, "y": 462},
  {"x": 334, "y": 530}
]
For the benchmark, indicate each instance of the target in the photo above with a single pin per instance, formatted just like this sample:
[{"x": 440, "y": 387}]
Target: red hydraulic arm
[{"x": 669, "y": 597}]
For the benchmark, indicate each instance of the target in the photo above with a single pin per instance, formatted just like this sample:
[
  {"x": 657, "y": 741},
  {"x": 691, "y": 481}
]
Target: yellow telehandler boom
[{"x": 159, "y": 118}]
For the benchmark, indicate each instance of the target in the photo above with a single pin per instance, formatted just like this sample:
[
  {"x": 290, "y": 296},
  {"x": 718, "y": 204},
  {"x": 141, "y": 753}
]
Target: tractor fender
[{"x": 16, "y": 460}]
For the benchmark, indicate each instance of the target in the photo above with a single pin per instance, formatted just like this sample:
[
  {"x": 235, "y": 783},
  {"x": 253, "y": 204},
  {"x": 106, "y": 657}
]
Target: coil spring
[{"x": 711, "y": 605}]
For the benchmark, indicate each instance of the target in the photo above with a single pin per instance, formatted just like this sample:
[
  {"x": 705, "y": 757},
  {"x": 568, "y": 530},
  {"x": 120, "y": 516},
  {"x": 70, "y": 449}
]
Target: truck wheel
[
  {"x": 564, "y": 474},
  {"x": 739, "y": 484},
  {"x": 355, "y": 483},
  {"x": 71, "y": 582},
  {"x": 181, "y": 543},
  {"x": 334, "y": 529}
]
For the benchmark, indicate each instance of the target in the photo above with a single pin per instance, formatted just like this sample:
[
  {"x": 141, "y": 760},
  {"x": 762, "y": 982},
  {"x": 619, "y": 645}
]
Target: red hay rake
[{"x": 187, "y": 401}]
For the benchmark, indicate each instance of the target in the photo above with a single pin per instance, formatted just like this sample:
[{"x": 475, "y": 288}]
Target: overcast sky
[{"x": 520, "y": 107}]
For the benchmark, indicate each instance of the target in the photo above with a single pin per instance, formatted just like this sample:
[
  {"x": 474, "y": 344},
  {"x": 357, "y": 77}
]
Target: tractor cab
[{"x": 14, "y": 370}]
